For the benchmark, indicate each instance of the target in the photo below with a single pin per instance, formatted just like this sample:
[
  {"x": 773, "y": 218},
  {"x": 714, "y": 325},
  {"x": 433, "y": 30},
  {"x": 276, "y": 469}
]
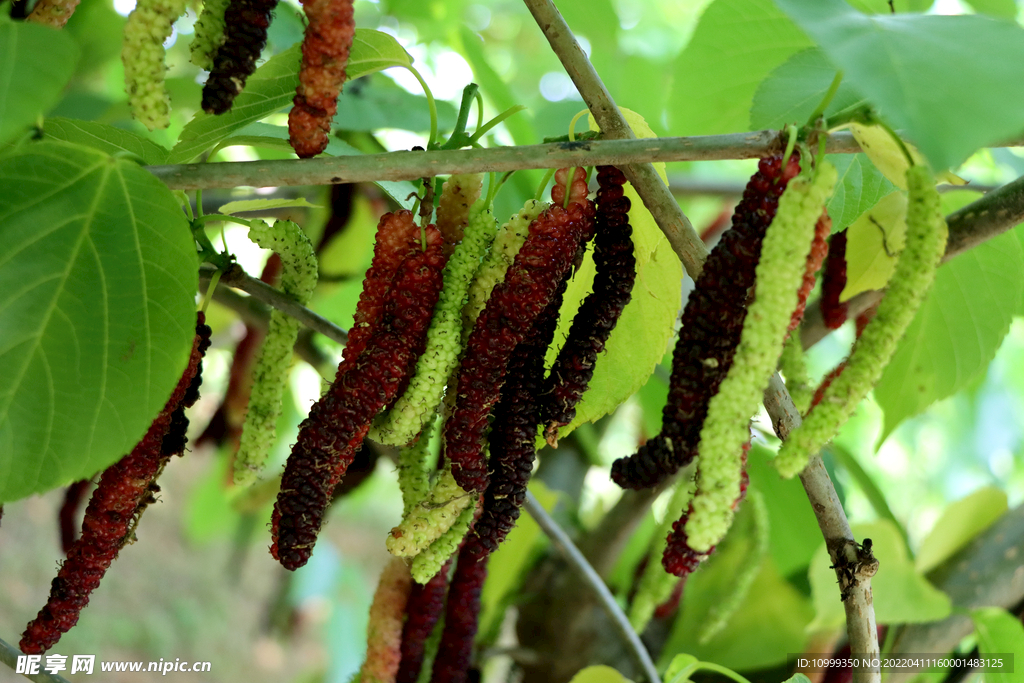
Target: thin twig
[
  {"x": 575, "y": 559},
  {"x": 254, "y": 312},
  {"x": 9, "y": 656},
  {"x": 415, "y": 165},
  {"x": 692, "y": 252},
  {"x": 238, "y": 278}
]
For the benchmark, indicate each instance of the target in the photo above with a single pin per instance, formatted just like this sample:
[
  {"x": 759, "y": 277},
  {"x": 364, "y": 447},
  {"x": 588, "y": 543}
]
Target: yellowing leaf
[
  {"x": 872, "y": 243},
  {"x": 642, "y": 334},
  {"x": 887, "y": 156}
]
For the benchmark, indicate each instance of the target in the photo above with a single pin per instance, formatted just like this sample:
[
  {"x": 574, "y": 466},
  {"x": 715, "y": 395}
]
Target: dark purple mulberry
[
  {"x": 455, "y": 652},
  {"x": 426, "y": 603},
  {"x": 597, "y": 315},
  {"x": 245, "y": 35},
  {"x": 711, "y": 325}
]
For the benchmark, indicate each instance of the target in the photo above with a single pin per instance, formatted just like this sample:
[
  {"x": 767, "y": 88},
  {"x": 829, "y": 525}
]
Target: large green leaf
[
  {"x": 957, "y": 330},
  {"x": 999, "y": 632},
  {"x": 97, "y": 312},
  {"x": 272, "y": 87},
  {"x": 859, "y": 188},
  {"x": 736, "y": 45},
  {"x": 793, "y": 91},
  {"x": 104, "y": 138},
  {"x": 36, "y": 62},
  {"x": 599, "y": 674},
  {"x": 951, "y": 83},
  {"x": 901, "y": 594},
  {"x": 960, "y": 522},
  {"x": 645, "y": 327}
]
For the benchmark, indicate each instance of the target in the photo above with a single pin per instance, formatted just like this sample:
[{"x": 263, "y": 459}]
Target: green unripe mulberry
[
  {"x": 507, "y": 242},
  {"x": 726, "y": 428},
  {"x": 415, "y": 463},
  {"x": 209, "y": 33},
  {"x": 428, "y": 563},
  {"x": 148, "y": 26},
  {"x": 406, "y": 418},
  {"x": 910, "y": 282},
  {"x": 270, "y": 372},
  {"x": 430, "y": 518}
]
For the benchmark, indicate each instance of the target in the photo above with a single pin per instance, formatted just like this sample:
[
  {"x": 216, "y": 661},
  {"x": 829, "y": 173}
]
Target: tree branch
[
  {"x": 589, "y": 576},
  {"x": 416, "y": 165}
]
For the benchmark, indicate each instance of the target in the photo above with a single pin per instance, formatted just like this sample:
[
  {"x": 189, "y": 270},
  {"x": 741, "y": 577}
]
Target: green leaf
[
  {"x": 638, "y": 342},
  {"x": 859, "y": 188},
  {"x": 959, "y": 523},
  {"x": 798, "y": 678},
  {"x": 273, "y": 87},
  {"x": 957, "y": 330},
  {"x": 36, "y": 62},
  {"x": 735, "y": 46},
  {"x": 264, "y": 205},
  {"x": 746, "y": 643},
  {"x": 901, "y": 594},
  {"x": 951, "y": 83},
  {"x": 599, "y": 674},
  {"x": 999, "y": 632},
  {"x": 793, "y": 91},
  {"x": 793, "y": 528},
  {"x": 1006, "y": 9},
  {"x": 104, "y": 138},
  {"x": 97, "y": 311},
  {"x": 679, "y": 664},
  {"x": 383, "y": 104}
]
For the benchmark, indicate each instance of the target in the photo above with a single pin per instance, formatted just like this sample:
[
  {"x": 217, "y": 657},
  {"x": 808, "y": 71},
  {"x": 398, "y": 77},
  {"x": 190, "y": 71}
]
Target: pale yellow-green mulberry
[
  {"x": 430, "y": 518},
  {"x": 148, "y": 26},
  {"x": 270, "y": 371},
  {"x": 727, "y": 425},
  {"x": 430, "y": 560},
  {"x": 910, "y": 282},
  {"x": 209, "y": 33}
]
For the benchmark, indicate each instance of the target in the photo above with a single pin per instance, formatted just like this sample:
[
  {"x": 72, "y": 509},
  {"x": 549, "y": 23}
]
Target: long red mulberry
[
  {"x": 330, "y": 436},
  {"x": 833, "y": 283},
  {"x": 122, "y": 493},
  {"x": 455, "y": 652},
  {"x": 819, "y": 248},
  {"x": 424, "y": 609},
  {"x": 711, "y": 325},
  {"x": 325, "y": 51},
  {"x": 600, "y": 311},
  {"x": 539, "y": 267},
  {"x": 245, "y": 34}
]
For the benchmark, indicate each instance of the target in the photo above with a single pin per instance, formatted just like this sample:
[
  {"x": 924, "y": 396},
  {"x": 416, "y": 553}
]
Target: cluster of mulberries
[
  {"x": 833, "y": 282},
  {"x": 334, "y": 429},
  {"x": 245, "y": 34},
  {"x": 325, "y": 51},
  {"x": 514, "y": 430},
  {"x": 711, "y": 326},
  {"x": 600, "y": 311},
  {"x": 124, "y": 490},
  {"x": 529, "y": 285}
]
